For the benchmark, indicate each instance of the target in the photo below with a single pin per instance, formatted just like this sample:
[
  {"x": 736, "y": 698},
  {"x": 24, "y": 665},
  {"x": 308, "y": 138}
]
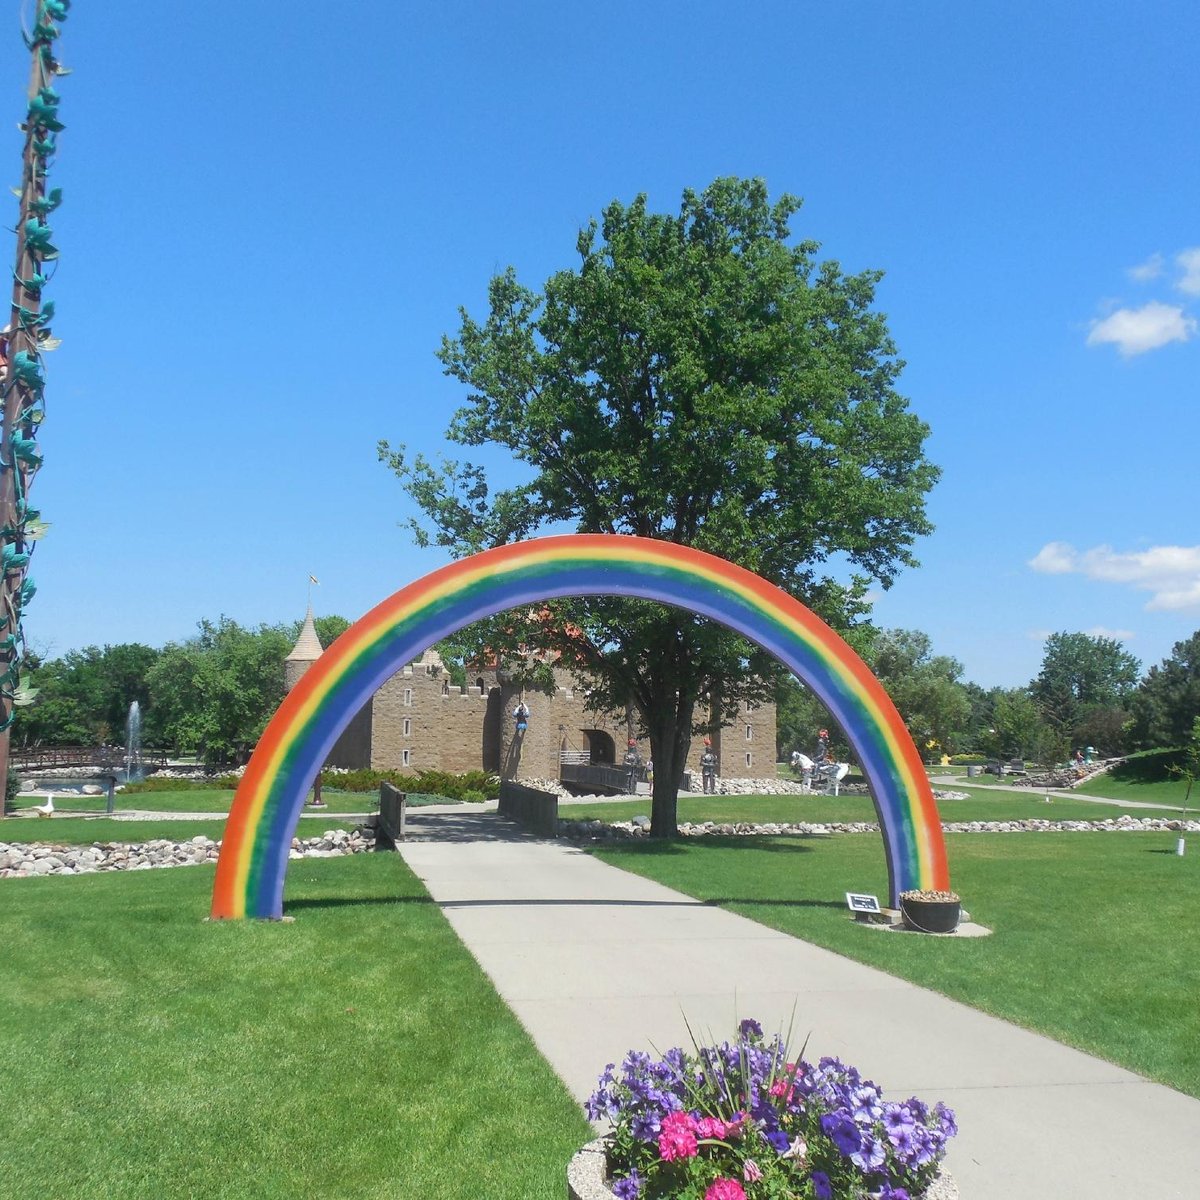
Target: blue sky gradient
[{"x": 272, "y": 215}]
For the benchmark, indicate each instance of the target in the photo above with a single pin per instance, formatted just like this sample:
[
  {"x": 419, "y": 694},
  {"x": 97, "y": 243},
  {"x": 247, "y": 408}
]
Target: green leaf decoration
[
  {"x": 13, "y": 559},
  {"x": 56, "y": 9},
  {"x": 47, "y": 203},
  {"x": 24, "y": 695},
  {"x": 26, "y": 368},
  {"x": 34, "y": 531},
  {"x": 34, "y": 284},
  {"x": 37, "y": 238},
  {"x": 45, "y": 147},
  {"x": 25, "y": 449},
  {"x": 43, "y": 112},
  {"x": 28, "y": 591}
]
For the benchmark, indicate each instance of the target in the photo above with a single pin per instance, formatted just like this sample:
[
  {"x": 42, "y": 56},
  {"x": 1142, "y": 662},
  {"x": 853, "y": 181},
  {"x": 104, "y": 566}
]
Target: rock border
[{"x": 27, "y": 860}]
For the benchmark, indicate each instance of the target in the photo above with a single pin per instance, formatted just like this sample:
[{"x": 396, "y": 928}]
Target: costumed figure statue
[{"x": 708, "y": 768}]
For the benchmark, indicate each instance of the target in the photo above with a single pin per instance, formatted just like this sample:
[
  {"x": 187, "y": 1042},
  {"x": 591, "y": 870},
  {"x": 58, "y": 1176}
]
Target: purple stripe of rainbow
[{"x": 262, "y": 821}]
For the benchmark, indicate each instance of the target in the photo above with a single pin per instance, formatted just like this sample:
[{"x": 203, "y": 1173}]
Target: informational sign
[{"x": 859, "y": 902}]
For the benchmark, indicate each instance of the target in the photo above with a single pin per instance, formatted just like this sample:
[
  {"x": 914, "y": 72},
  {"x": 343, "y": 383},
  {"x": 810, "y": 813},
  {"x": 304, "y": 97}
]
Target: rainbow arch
[{"x": 270, "y": 798}]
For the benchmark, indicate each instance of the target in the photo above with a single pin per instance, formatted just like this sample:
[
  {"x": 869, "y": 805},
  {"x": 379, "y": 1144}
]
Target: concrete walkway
[{"x": 595, "y": 961}]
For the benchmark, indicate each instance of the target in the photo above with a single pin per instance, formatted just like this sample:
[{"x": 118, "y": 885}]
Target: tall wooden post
[{"x": 22, "y": 343}]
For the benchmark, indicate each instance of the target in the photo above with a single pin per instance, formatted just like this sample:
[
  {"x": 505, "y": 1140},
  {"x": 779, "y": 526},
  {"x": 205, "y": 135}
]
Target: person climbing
[
  {"x": 521, "y": 716},
  {"x": 708, "y": 768}
]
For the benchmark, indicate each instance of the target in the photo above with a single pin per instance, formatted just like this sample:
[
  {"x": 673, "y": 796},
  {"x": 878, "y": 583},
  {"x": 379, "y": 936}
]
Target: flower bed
[{"x": 743, "y": 1121}]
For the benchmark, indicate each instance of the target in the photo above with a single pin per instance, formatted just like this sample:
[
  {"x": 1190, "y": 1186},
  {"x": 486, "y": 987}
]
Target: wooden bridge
[{"x": 103, "y": 758}]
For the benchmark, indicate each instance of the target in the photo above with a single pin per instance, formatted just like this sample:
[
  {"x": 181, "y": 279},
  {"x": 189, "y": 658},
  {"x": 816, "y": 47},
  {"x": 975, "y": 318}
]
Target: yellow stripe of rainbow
[{"x": 253, "y": 861}]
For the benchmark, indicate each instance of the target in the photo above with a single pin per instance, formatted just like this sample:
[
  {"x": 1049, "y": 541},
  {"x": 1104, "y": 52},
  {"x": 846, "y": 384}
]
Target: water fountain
[{"x": 133, "y": 743}]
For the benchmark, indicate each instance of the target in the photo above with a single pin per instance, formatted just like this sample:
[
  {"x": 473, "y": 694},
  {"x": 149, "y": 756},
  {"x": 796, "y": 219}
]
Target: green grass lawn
[
  {"x": 1095, "y": 940},
  {"x": 1143, "y": 777},
  {"x": 358, "y": 1052},
  {"x": 214, "y": 800},
  {"x": 983, "y": 805},
  {"x": 83, "y": 831}
]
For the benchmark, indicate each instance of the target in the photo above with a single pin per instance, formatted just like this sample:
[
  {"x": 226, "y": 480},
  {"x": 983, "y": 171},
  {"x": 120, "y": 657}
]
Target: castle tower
[{"x": 304, "y": 653}]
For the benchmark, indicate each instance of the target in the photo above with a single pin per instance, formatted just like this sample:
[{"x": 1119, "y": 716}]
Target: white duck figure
[{"x": 45, "y": 810}]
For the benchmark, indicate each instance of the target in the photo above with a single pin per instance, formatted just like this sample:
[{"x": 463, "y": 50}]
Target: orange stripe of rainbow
[{"x": 267, "y": 806}]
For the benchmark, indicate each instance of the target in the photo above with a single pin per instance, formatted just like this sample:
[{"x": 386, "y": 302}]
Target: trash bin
[{"x": 972, "y": 772}]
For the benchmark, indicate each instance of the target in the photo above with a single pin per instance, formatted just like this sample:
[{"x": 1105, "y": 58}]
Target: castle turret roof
[{"x": 308, "y": 645}]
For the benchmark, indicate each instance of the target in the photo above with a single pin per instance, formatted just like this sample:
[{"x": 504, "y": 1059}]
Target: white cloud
[
  {"x": 1170, "y": 573},
  {"x": 1136, "y": 330},
  {"x": 1116, "y": 635},
  {"x": 1189, "y": 263},
  {"x": 1055, "y": 558},
  {"x": 1150, "y": 269}
]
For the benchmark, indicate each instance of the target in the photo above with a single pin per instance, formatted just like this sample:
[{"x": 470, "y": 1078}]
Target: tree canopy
[
  {"x": 1168, "y": 702},
  {"x": 699, "y": 377},
  {"x": 1084, "y": 686}
]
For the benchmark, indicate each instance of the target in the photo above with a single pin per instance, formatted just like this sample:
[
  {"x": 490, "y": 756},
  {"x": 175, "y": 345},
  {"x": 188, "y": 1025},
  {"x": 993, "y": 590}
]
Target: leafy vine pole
[{"x": 23, "y": 342}]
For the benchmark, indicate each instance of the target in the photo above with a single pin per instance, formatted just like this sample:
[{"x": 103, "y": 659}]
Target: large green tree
[
  {"x": 83, "y": 698},
  {"x": 1085, "y": 685},
  {"x": 1167, "y": 703},
  {"x": 698, "y": 377},
  {"x": 925, "y": 687}
]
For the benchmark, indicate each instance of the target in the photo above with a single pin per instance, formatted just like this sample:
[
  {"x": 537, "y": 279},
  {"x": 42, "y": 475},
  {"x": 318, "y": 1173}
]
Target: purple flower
[
  {"x": 629, "y": 1187},
  {"x": 946, "y": 1117},
  {"x": 893, "y": 1193},
  {"x": 866, "y": 1104},
  {"x": 843, "y": 1132},
  {"x": 822, "y": 1188},
  {"x": 902, "y": 1139},
  {"x": 750, "y": 1028},
  {"x": 779, "y": 1141},
  {"x": 870, "y": 1155},
  {"x": 646, "y": 1127}
]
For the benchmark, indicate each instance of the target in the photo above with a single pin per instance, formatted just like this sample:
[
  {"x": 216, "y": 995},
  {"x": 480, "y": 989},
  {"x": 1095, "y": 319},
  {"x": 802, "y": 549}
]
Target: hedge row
[{"x": 470, "y": 787}]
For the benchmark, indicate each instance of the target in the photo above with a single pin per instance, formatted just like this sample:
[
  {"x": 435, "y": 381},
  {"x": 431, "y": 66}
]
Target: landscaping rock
[{"x": 23, "y": 860}]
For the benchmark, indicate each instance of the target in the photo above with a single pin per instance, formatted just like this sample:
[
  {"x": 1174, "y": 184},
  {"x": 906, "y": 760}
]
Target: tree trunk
[{"x": 670, "y": 741}]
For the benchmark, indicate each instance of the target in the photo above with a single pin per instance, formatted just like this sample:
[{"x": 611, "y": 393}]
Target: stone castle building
[{"x": 419, "y": 721}]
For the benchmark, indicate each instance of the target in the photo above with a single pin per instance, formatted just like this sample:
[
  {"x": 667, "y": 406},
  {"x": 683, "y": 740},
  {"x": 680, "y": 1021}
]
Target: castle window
[
  {"x": 405, "y": 757},
  {"x": 408, "y": 697},
  {"x": 408, "y": 726},
  {"x": 749, "y": 758},
  {"x": 749, "y": 733}
]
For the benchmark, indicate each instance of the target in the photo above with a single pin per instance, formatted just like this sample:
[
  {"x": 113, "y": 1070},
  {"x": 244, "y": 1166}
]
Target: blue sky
[{"x": 272, "y": 215}]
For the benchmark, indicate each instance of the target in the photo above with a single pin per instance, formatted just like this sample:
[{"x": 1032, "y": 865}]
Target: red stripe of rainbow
[{"x": 267, "y": 806}]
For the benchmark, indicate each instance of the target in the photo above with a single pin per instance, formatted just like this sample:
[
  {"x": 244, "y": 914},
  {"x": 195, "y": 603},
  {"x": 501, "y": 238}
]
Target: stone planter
[
  {"x": 588, "y": 1170},
  {"x": 930, "y": 912}
]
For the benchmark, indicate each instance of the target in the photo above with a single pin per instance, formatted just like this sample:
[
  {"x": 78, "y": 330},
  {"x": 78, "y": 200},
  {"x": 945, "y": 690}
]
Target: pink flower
[
  {"x": 725, "y": 1189},
  {"x": 678, "y": 1137},
  {"x": 751, "y": 1172},
  {"x": 736, "y": 1127},
  {"x": 711, "y": 1127}
]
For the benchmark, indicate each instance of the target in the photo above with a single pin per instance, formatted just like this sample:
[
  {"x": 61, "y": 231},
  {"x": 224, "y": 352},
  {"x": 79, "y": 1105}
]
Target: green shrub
[
  {"x": 472, "y": 785},
  {"x": 968, "y": 760},
  {"x": 11, "y": 787},
  {"x": 170, "y": 783}
]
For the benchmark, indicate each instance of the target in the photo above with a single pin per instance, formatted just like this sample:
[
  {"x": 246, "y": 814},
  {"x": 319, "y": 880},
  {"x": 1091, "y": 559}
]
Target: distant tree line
[
  {"x": 212, "y": 694},
  {"x": 1089, "y": 692}
]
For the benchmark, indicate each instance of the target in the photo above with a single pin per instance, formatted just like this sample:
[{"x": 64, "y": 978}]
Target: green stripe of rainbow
[{"x": 267, "y": 806}]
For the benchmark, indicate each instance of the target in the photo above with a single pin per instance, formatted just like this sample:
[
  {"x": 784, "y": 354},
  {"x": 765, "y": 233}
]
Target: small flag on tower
[{"x": 314, "y": 579}]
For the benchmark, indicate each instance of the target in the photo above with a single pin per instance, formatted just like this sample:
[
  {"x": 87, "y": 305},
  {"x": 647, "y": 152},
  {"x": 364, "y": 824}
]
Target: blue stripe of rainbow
[{"x": 270, "y": 798}]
